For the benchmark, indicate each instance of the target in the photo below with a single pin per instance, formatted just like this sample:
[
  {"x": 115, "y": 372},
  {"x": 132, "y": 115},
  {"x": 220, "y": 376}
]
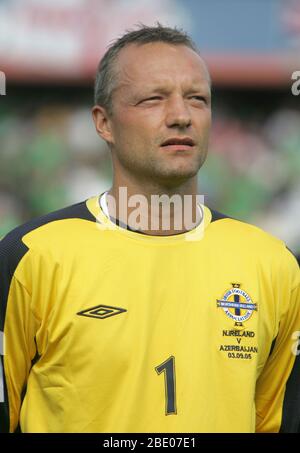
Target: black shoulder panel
[
  {"x": 76, "y": 211},
  {"x": 12, "y": 251}
]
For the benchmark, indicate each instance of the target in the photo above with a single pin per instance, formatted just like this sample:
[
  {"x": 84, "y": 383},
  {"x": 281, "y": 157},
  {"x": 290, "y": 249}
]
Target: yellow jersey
[{"x": 108, "y": 330}]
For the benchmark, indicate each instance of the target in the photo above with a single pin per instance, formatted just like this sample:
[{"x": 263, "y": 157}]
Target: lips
[{"x": 185, "y": 141}]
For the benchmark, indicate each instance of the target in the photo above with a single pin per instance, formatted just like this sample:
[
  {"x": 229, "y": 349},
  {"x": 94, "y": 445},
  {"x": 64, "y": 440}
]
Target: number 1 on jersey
[{"x": 168, "y": 367}]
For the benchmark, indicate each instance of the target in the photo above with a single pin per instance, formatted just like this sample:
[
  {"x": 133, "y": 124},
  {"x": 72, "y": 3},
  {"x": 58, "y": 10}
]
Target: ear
[{"x": 102, "y": 123}]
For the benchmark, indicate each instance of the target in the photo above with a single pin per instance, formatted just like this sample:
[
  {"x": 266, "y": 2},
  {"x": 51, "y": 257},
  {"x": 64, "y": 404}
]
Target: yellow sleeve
[
  {"x": 17, "y": 327},
  {"x": 278, "y": 386}
]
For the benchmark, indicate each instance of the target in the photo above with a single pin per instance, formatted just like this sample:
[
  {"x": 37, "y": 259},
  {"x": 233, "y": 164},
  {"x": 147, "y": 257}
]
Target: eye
[
  {"x": 200, "y": 98},
  {"x": 153, "y": 98}
]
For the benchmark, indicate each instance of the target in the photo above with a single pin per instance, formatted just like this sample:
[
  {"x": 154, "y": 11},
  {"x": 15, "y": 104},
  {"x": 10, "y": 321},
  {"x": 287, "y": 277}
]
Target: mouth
[{"x": 178, "y": 144}]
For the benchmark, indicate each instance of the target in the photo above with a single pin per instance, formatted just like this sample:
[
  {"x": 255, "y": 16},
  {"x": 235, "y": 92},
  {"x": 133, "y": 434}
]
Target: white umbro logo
[{"x": 101, "y": 311}]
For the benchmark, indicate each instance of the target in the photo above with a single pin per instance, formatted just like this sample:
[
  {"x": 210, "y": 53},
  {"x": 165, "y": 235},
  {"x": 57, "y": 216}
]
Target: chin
[
  {"x": 183, "y": 166},
  {"x": 175, "y": 178},
  {"x": 181, "y": 171}
]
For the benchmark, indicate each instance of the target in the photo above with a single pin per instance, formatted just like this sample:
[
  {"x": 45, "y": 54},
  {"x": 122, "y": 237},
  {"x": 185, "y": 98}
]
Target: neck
[{"x": 155, "y": 209}]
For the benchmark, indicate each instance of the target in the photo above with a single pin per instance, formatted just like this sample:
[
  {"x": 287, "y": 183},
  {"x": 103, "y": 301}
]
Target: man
[{"x": 116, "y": 322}]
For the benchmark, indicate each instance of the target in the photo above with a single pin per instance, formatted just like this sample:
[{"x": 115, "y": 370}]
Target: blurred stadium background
[{"x": 50, "y": 155}]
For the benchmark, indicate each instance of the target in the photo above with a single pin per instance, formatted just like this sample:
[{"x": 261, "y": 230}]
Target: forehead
[{"x": 160, "y": 63}]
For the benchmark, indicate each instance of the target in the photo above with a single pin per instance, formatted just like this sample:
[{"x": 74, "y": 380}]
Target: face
[{"x": 161, "y": 118}]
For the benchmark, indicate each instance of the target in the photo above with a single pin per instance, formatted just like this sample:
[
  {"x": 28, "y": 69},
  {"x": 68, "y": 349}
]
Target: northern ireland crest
[{"x": 237, "y": 305}]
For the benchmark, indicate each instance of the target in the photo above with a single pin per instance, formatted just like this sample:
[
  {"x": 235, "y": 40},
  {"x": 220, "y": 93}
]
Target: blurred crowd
[{"x": 53, "y": 157}]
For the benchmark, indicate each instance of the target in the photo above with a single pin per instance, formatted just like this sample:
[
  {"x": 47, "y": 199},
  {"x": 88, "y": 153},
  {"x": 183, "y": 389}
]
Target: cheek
[
  {"x": 206, "y": 116},
  {"x": 136, "y": 128},
  {"x": 123, "y": 132},
  {"x": 204, "y": 123}
]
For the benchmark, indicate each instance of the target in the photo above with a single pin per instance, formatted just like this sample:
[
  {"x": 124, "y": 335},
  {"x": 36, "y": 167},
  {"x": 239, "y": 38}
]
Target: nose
[{"x": 178, "y": 113}]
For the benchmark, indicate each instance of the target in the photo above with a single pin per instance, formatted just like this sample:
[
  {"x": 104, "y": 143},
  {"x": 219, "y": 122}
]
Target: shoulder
[
  {"x": 249, "y": 239},
  {"x": 14, "y": 245},
  {"x": 238, "y": 230}
]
